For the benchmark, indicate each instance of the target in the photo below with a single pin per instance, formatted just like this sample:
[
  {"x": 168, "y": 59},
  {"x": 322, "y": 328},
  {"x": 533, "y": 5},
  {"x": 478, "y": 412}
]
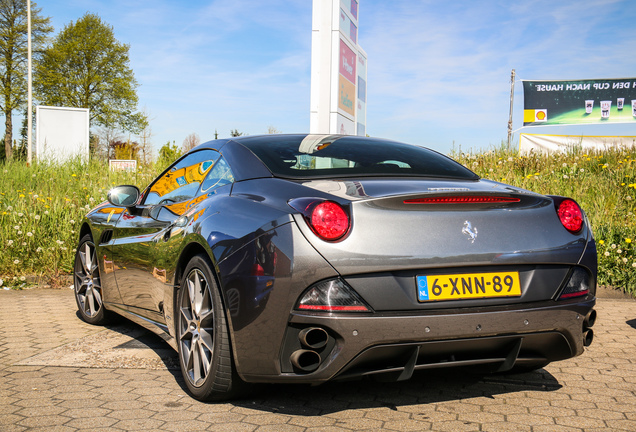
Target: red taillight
[
  {"x": 329, "y": 220},
  {"x": 463, "y": 199},
  {"x": 570, "y": 215},
  {"x": 257, "y": 270}
]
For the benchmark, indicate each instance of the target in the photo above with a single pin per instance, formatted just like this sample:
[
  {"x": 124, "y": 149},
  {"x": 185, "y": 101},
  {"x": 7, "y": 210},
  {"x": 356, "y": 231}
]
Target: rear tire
[{"x": 205, "y": 354}]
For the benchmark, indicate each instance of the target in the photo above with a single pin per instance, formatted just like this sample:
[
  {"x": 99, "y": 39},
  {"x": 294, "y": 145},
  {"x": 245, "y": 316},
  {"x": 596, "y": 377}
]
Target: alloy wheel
[
  {"x": 88, "y": 289},
  {"x": 196, "y": 335}
]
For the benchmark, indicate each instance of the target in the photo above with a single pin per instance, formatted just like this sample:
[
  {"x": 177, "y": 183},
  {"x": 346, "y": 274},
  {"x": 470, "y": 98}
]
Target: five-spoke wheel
[
  {"x": 87, "y": 283},
  {"x": 204, "y": 348}
]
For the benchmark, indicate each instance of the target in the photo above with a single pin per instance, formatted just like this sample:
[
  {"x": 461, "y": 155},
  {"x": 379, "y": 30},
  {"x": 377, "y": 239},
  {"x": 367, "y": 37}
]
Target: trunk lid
[{"x": 388, "y": 234}]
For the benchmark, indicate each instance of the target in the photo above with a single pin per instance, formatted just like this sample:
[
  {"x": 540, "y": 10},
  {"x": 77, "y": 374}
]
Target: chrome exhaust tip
[
  {"x": 305, "y": 360},
  {"x": 313, "y": 337},
  {"x": 588, "y": 337},
  {"x": 590, "y": 319}
]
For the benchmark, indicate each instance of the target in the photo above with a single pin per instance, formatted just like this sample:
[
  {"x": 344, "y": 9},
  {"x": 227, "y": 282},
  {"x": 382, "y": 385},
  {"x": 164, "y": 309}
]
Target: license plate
[{"x": 468, "y": 286}]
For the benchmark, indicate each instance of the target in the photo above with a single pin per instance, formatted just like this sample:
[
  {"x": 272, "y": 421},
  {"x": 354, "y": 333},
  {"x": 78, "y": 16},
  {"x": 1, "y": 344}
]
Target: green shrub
[{"x": 41, "y": 206}]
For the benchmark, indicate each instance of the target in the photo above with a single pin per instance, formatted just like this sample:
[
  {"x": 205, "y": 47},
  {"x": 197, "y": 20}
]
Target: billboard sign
[
  {"x": 61, "y": 133},
  {"x": 579, "y": 102},
  {"x": 350, "y": 6},
  {"x": 344, "y": 125},
  {"x": 122, "y": 165},
  {"x": 335, "y": 59},
  {"x": 347, "y": 63},
  {"x": 346, "y": 96},
  {"x": 361, "y": 113},
  {"x": 348, "y": 27}
]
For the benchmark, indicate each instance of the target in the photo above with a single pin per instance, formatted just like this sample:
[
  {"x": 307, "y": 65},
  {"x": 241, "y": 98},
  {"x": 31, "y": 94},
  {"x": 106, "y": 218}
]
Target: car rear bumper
[{"x": 396, "y": 344}]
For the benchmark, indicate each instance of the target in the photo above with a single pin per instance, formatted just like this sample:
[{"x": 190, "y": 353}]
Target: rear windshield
[{"x": 323, "y": 156}]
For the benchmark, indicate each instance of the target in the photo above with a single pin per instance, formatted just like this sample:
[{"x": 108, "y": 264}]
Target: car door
[{"x": 142, "y": 229}]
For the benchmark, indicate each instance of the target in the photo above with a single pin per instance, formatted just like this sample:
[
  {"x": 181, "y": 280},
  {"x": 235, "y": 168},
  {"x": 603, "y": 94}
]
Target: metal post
[
  {"x": 512, "y": 98},
  {"x": 29, "y": 91}
]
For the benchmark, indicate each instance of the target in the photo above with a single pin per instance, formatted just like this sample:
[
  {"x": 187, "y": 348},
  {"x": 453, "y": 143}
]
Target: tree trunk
[{"x": 8, "y": 135}]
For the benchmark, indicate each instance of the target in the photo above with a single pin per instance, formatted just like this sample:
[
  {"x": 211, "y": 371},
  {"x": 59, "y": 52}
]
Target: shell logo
[{"x": 535, "y": 115}]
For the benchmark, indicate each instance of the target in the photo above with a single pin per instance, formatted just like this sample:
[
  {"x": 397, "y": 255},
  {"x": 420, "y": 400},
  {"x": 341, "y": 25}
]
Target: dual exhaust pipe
[
  {"x": 307, "y": 359},
  {"x": 588, "y": 333}
]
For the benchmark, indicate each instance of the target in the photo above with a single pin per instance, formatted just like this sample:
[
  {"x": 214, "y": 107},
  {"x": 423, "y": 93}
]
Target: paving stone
[
  {"x": 529, "y": 419},
  {"x": 556, "y": 428},
  {"x": 43, "y": 421},
  {"x": 596, "y": 391},
  {"x": 359, "y": 423},
  {"x": 232, "y": 427},
  {"x": 580, "y": 422},
  {"x": 331, "y": 429},
  {"x": 455, "y": 426},
  {"x": 184, "y": 426},
  {"x": 505, "y": 427},
  {"x": 309, "y": 422},
  {"x": 221, "y": 417},
  {"x": 138, "y": 424},
  {"x": 91, "y": 423},
  {"x": 280, "y": 428},
  {"x": 626, "y": 425},
  {"x": 406, "y": 425}
]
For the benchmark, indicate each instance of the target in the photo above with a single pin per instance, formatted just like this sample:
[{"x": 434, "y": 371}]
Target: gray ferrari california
[{"x": 308, "y": 258}]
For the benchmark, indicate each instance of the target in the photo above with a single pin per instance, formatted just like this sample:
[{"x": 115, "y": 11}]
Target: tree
[
  {"x": 86, "y": 67},
  {"x": 190, "y": 142},
  {"x": 235, "y": 133},
  {"x": 145, "y": 145},
  {"x": 126, "y": 150},
  {"x": 14, "y": 57},
  {"x": 105, "y": 138},
  {"x": 272, "y": 130},
  {"x": 168, "y": 154}
]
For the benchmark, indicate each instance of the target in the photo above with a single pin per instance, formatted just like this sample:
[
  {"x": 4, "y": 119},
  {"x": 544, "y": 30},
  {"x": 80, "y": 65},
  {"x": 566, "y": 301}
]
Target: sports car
[{"x": 309, "y": 258}]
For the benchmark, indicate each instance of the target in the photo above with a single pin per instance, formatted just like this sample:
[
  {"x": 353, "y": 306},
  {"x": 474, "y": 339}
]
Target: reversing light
[
  {"x": 578, "y": 285},
  {"x": 463, "y": 199},
  {"x": 570, "y": 215},
  {"x": 332, "y": 295}
]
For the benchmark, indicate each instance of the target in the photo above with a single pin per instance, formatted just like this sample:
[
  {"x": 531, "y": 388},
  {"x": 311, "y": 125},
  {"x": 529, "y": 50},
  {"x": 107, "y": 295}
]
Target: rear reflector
[{"x": 465, "y": 199}]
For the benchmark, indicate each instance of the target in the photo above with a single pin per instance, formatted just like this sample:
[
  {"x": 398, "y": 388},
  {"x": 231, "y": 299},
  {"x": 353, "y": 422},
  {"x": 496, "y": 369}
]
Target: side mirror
[{"x": 126, "y": 196}]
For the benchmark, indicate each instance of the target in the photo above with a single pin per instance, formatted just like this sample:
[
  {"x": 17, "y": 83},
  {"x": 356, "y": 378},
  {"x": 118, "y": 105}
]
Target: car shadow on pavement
[
  {"x": 424, "y": 387},
  {"x": 132, "y": 343},
  {"x": 132, "y": 346}
]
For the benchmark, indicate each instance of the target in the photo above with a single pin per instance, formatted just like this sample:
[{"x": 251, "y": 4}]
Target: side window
[
  {"x": 219, "y": 175},
  {"x": 182, "y": 180}
]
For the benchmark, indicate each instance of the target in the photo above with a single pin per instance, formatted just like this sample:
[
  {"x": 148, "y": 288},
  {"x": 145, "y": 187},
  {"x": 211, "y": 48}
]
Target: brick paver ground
[{"x": 593, "y": 392}]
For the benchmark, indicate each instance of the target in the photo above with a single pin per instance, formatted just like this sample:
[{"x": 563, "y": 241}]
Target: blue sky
[{"x": 438, "y": 74}]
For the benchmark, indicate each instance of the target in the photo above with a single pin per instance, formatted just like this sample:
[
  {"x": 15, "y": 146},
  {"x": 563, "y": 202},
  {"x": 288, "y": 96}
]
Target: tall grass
[
  {"x": 603, "y": 183},
  {"x": 41, "y": 206}
]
